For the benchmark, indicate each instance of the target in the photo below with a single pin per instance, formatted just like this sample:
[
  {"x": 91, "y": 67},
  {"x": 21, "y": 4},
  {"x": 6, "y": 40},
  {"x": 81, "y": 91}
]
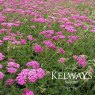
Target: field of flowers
[{"x": 40, "y": 41}]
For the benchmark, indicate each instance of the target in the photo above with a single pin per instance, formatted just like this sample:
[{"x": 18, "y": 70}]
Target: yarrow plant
[{"x": 39, "y": 36}]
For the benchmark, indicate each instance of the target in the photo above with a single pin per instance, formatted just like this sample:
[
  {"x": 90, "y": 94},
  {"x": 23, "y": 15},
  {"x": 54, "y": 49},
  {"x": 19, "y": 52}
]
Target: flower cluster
[
  {"x": 61, "y": 60},
  {"x": 9, "y": 82},
  {"x": 49, "y": 44},
  {"x": 42, "y": 30},
  {"x": 12, "y": 67},
  {"x": 47, "y": 33},
  {"x": 72, "y": 39},
  {"x": 61, "y": 50},
  {"x": 33, "y": 64},
  {"x": 27, "y": 92},
  {"x": 30, "y": 75},
  {"x": 81, "y": 60},
  {"x": 38, "y": 48}
]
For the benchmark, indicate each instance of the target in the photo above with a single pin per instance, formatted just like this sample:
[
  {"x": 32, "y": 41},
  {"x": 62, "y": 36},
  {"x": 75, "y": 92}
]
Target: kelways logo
[{"x": 71, "y": 75}]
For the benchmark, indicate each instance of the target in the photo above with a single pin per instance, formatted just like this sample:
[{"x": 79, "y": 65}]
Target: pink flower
[
  {"x": 61, "y": 60},
  {"x": 69, "y": 23},
  {"x": 8, "y": 38},
  {"x": 22, "y": 77},
  {"x": 45, "y": 32},
  {"x": 29, "y": 75},
  {"x": 22, "y": 41},
  {"x": 85, "y": 27},
  {"x": 70, "y": 28},
  {"x": 72, "y": 39},
  {"x": 81, "y": 60},
  {"x": 3, "y": 30},
  {"x": 38, "y": 49},
  {"x": 78, "y": 24},
  {"x": 59, "y": 33},
  {"x": 21, "y": 80},
  {"x": 61, "y": 50},
  {"x": 1, "y": 0},
  {"x": 75, "y": 57},
  {"x": 34, "y": 64},
  {"x": 48, "y": 36},
  {"x": 30, "y": 38},
  {"x": 4, "y": 24},
  {"x": 11, "y": 70},
  {"x": 27, "y": 92},
  {"x": 32, "y": 75},
  {"x": 9, "y": 81},
  {"x": 61, "y": 36},
  {"x": 40, "y": 73},
  {"x": 65, "y": 19},
  {"x": 16, "y": 42},
  {"x": 56, "y": 38},
  {"x": 1, "y": 56},
  {"x": 16, "y": 25},
  {"x": 1, "y": 75},
  {"x": 13, "y": 64},
  {"x": 93, "y": 30},
  {"x": 49, "y": 44},
  {"x": 9, "y": 25},
  {"x": 40, "y": 19}
]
